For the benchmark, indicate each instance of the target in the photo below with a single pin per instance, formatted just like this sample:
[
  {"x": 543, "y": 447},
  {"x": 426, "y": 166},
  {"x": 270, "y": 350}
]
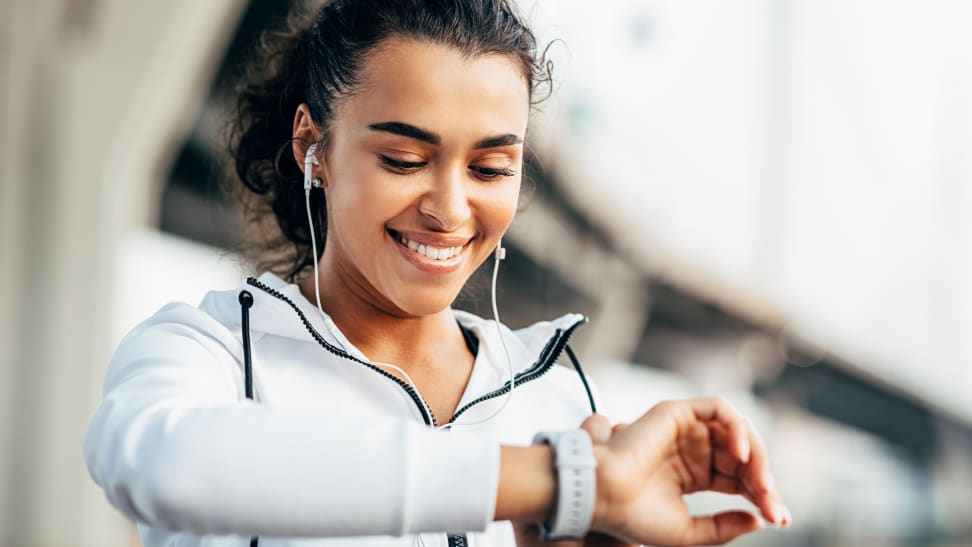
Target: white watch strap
[{"x": 576, "y": 486}]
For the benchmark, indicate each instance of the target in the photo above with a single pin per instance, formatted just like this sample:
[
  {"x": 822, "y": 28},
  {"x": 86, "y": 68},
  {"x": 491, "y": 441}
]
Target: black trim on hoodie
[{"x": 548, "y": 356}]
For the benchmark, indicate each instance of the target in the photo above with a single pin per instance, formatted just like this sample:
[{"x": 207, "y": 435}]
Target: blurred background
[{"x": 765, "y": 199}]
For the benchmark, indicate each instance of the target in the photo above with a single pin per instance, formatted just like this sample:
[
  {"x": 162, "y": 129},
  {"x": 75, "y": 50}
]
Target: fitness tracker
[{"x": 576, "y": 484}]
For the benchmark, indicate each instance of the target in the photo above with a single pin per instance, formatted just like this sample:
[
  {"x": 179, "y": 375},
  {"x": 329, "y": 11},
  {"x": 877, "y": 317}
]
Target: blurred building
[{"x": 768, "y": 200}]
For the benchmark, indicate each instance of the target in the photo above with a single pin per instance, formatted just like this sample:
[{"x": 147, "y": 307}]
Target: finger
[
  {"x": 722, "y": 459},
  {"x": 758, "y": 479},
  {"x": 720, "y": 528},
  {"x": 695, "y": 448},
  {"x": 731, "y": 485},
  {"x": 725, "y": 463},
  {"x": 755, "y": 474},
  {"x": 727, "y": 484},
  {"x": 598, "y": 427},
  {"x": 721, "y": 411},
  {"x": 727, "y": 427}
]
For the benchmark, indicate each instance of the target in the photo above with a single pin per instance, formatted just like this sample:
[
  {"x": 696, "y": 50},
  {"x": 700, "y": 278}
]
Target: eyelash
[{"x": 409, "y": 167}]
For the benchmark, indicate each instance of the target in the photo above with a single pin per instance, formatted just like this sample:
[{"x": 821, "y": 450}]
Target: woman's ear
[{"x": 305, "y": 134}]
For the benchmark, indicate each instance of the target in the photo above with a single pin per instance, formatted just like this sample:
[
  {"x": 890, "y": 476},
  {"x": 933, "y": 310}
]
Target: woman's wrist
[{"x": 527, "y": 483}]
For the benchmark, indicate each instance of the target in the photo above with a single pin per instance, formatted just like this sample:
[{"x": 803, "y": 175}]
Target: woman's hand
[{"x": 644, "y": 468}]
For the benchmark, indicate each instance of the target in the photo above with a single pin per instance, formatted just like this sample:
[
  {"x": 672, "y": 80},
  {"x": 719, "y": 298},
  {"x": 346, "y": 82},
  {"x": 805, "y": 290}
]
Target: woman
[{"x": 343, "y": 401}]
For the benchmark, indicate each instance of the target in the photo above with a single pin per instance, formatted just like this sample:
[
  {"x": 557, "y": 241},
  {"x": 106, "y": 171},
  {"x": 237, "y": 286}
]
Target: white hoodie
[{"x": 333, "y": 447}]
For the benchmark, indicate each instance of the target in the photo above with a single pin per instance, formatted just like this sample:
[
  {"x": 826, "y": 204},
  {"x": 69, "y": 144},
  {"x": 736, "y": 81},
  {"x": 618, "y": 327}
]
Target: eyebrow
[
  {"x": 501, "y": 140},
  {"x": 407, "y": 130},
  {"x": 417, "y": 133}
]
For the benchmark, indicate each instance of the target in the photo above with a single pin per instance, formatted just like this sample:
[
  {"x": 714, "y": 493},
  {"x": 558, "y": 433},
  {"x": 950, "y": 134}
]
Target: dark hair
[{"x": 316, "y": 59}]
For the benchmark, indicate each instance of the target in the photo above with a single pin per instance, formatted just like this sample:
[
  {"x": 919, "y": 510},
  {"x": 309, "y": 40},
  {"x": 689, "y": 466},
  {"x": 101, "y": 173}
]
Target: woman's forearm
[{"x": 527, "y": 483}]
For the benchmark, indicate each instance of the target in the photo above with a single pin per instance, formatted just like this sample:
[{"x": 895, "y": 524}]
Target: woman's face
[{"x": 422, "y": 173}]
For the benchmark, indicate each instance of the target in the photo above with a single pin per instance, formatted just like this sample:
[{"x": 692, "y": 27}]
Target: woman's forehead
[{"x": 437, "y": 86}]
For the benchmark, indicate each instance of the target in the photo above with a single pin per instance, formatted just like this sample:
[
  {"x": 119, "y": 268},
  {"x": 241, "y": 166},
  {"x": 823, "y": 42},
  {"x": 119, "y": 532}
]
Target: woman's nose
[{"x": 446, "y": 202}]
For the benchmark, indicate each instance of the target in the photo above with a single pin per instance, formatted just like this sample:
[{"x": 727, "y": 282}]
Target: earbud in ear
[{"x": 309, "y": 160}]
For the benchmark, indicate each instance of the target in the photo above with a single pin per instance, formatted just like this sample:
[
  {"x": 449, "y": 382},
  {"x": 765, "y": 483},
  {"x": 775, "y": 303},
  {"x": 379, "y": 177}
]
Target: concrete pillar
[{"x": 96, "y": 97}]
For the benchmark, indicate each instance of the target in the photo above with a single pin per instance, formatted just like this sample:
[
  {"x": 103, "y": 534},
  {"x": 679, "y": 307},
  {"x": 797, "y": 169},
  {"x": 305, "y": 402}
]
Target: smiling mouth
[{"x": 426, "y": 250}]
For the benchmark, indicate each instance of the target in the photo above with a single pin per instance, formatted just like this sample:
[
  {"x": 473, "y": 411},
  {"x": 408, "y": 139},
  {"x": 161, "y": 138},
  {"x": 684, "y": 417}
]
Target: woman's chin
[{"x": 419, "y": 303}]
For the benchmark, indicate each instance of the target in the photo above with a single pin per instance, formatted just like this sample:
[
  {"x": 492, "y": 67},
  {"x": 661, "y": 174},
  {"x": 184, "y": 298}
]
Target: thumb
[
  {"x": 720, "y": 528},
  {"x": 598, "y": 427}
]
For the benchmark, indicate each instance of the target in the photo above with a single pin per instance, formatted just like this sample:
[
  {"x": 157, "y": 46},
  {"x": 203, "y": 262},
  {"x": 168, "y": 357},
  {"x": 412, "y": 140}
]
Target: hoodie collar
[{"x": 280, "y": 309}]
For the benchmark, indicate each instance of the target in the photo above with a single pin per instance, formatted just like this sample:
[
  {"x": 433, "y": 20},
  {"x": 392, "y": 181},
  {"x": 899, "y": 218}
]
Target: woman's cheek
[{"x": 504, "y": 209}]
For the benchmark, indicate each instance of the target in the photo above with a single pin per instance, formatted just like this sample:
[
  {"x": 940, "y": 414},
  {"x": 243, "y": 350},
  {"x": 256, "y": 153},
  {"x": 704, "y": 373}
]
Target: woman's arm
[
  {"x": 527, "y": 483},
  {"x": 173, "y": 446}
]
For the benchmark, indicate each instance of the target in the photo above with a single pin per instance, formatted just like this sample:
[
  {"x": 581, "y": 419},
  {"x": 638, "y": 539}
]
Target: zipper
[
  {"x": 548, "y": 356},
  {"x": 553, "y": 349},
  {"x": 426, "y": 412}
]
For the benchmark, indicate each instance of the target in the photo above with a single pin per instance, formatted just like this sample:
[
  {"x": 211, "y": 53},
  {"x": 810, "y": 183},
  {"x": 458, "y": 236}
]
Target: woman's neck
[{"x": 384, "y": 335}]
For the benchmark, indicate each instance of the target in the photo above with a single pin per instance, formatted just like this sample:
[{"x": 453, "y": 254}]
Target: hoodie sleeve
[{"x": 173, "y": 445}]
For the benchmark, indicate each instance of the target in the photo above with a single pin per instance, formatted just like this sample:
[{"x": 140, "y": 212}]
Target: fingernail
[
  {"x": 787, "y": 517},
  {"x": 744, "y": 448},
  {"x": 779, "y": 514},
  {"x": 768, "y": 482}
]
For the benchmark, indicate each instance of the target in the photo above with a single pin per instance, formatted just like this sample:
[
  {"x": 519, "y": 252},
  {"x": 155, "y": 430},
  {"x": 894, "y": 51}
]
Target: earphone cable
[
  {"x": 317, "y": 295},
  {"x": 499, "y": 255},
  {"x": 310, "y": 225}
]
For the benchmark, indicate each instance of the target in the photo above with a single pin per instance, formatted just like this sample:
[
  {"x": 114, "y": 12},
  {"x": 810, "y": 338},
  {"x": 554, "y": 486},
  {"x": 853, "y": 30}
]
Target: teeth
[{"x": 428, "y": 251}]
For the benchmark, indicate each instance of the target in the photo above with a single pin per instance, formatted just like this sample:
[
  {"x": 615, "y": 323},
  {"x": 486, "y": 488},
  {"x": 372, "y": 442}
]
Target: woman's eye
[
  {"x": 488, "y": 173},
  {"x": 400, "y": 166}
]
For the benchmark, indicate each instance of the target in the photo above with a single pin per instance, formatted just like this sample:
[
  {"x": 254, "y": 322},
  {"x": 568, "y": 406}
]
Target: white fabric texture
[{"x": 330, "y": 453}]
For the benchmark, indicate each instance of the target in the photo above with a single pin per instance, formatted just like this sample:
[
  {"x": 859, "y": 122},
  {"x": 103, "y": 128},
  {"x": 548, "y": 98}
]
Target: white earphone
[
  {"x": 310, "y": 159},
  {"x": 499, "y": 255}
]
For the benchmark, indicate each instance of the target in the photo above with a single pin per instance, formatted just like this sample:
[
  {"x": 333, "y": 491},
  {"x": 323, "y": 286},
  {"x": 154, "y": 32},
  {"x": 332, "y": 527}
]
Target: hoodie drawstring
[
  {"x": 246, "y": 302},
  {"x": 587, "y": 388}
]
